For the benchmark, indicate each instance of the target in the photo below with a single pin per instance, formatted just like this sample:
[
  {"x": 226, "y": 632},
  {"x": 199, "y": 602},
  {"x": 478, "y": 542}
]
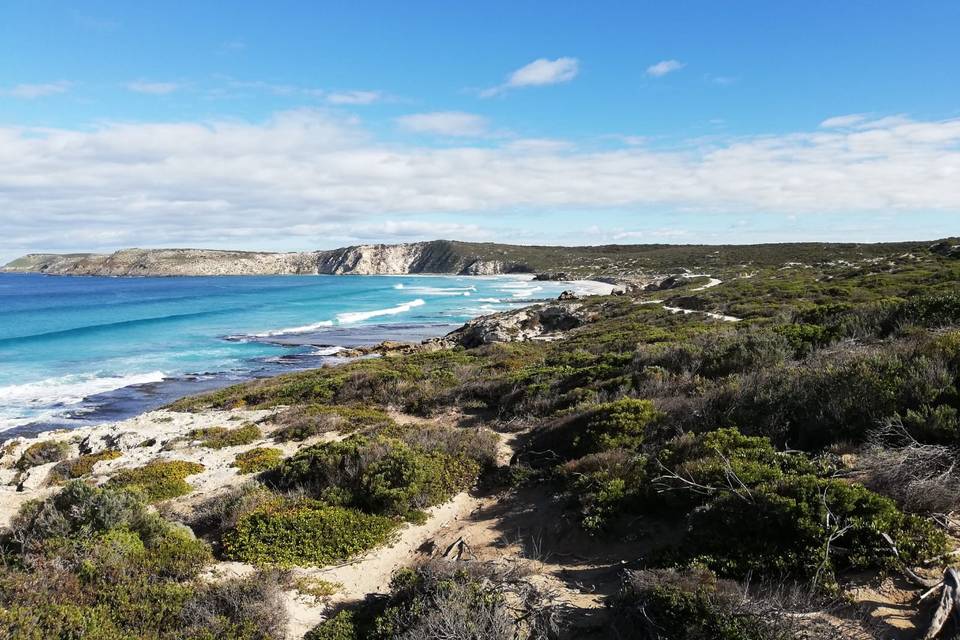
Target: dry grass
[{"x": 921, "y": 478}]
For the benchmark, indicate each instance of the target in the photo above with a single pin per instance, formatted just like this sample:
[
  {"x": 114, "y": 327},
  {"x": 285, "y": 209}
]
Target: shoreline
[{"x": 129, "y": 401}]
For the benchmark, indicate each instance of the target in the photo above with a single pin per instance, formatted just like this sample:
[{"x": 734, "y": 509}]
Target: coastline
[
  {"x": 163, "y": 427},
  {"x": 77, "y": 397},
  {"x": 330, "y": 347}
]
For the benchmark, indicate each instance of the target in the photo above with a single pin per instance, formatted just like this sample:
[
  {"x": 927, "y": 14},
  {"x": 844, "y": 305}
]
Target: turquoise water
[{"x": 68, "y": 344}]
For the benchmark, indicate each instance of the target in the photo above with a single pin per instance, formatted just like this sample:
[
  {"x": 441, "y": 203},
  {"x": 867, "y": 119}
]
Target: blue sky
[{"x": 295, "y": 125}]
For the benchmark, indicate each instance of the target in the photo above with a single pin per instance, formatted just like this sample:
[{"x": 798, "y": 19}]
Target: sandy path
[
  {"x": 710, "y": 314},
  {"x": 712, "y": 283}
]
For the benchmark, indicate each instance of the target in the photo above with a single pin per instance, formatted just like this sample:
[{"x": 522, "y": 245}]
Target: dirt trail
[{"x": 710, "y": 314}]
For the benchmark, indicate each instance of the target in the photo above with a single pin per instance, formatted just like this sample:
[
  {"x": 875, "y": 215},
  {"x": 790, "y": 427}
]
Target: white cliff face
[
  {"x": 379, "y": 259},
  {"x": 372, "y": 259}
]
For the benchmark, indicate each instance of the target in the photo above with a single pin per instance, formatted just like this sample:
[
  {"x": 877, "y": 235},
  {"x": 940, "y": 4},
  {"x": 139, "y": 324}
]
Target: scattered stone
[{"x": 567, "y": 295}]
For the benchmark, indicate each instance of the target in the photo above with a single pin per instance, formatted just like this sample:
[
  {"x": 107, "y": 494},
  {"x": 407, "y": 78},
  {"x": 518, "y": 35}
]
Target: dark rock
[
  {"x": 552, "y": 276},
  {"x": 666, "y": 284}
]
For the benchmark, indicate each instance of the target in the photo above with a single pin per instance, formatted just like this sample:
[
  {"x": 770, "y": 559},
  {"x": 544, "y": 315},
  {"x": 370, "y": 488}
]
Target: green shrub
[
  {"x": 717, "y": 460},
  {"x": 621, "y": 424},
  {"x": 616, "y": 425},
  {"x": 221, "y": 512},
  {"x": 302, "y": 422},
  {"x": 379, "y": 475},
  {"x": 119, "y": 554},
  {"x": 81, "y": 466},
  {"x": 304, "y": 533},
  {"x": 42, "y": 453},
  {"x": 158, "y": 480},
  {"x": 692, "y": 605},
  {"x": 339, "y": 627},
  {"x": 249, "y": 608},
  {"x": 44, "y": 621},
  {"x": 79, "y": 511},
  {"x": 457, "y": 600},
  {"x": 220, "y": 437},
  {"x": 604, "y": 485},
  {"x": 256, "y": 460},
  {"x": 783, "y": 528}
]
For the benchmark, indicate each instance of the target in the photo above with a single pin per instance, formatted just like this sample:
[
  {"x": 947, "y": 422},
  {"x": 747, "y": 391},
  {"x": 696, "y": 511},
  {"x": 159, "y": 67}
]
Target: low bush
[
  {"x": 222, "y": 512},
  {"x": 621, "y": 424},
  {"x": 690, "y": 468},
  {"x": 694, "y": 605},
  {"x": 158, "y": 480},
  {"x": 453, "y": 601},
  {"x": 806, "y": 527},
  {"x": 304, "y": 532},
  {"x": 108, "y": 535},
  {"x": 220, "y": 437},
  {"x": 81, "y": 466},
  {"x": 379, "y": 475},
  {"x": 304, "y": 421},
  {"x": 340, "y": 626},
  {"x": 250, "y": 608},
  {"x": 478, "y": 444},
  {"x": 316, "y": 587},
  {"x": 43, "y": 452},
  {"x": 256, "y": 460},
  {"x": 79, "y": 511},
  {"x": 604, "y": 485}
]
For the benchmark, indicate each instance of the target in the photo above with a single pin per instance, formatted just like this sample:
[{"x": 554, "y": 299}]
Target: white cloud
[
  {"x": 31, "y": 91},
  {"x": 153, "y": 88},
  {"x": 837, "y": 122},
  {"x": 445, "y": 123},
  {"x": 259, "y": 184},
  {"x": 538, "y": 73},
  {"x": 354, "y": 97},
  {"x": 664, "y": 67}
]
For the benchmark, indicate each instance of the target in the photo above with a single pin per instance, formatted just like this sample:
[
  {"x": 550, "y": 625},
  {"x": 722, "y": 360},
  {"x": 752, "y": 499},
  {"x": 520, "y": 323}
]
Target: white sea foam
[
  {"x": 326, "y": 351},
  {"x": 490, "y": 300},
  {"x": 399, "y": 285},
  {"x": 525, "y": 293},
  {"x": 360, "y": 316},
  {"x": 307, "y": 328},
  {"x": 442, "y": 291},
  {"x": 31, "y": 401}
]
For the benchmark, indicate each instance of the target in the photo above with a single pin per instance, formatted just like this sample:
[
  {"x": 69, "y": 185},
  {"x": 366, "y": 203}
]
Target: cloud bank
[{"x": 313, "y": 174}]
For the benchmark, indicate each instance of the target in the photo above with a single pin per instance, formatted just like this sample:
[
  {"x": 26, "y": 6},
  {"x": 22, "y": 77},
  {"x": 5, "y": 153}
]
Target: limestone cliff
[{"x": 438, "y": 256}]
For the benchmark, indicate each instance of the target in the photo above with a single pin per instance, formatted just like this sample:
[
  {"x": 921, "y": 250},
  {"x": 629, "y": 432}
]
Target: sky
[{"x": 308, "y": 125}]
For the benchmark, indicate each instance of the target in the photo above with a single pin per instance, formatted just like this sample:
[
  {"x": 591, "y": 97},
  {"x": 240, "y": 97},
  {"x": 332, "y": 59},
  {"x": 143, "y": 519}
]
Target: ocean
[{"x": 82, "y": 350}]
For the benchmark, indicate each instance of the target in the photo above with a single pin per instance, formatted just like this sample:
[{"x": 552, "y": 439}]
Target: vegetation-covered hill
[
  {"x": 788, "y": 475},
  {"x": 445, "y": 256}
]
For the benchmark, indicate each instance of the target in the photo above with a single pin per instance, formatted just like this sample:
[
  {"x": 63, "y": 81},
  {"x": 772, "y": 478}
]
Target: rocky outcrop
[
  {"x": 438, "y": 256},
  {"x": 670, "y": 282},
  {"x": 949, "y": 248},
  {"x": 536, "y": 322}
]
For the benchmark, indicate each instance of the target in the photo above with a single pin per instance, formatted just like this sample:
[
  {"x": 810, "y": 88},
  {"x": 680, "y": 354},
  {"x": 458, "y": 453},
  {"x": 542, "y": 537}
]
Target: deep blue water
[{"x": 86, "y": 349}]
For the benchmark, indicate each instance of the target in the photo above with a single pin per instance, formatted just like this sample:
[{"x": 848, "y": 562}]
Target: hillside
[
  {"x": 467, "y": 258},
  {"x": 763, "y": 456}
]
